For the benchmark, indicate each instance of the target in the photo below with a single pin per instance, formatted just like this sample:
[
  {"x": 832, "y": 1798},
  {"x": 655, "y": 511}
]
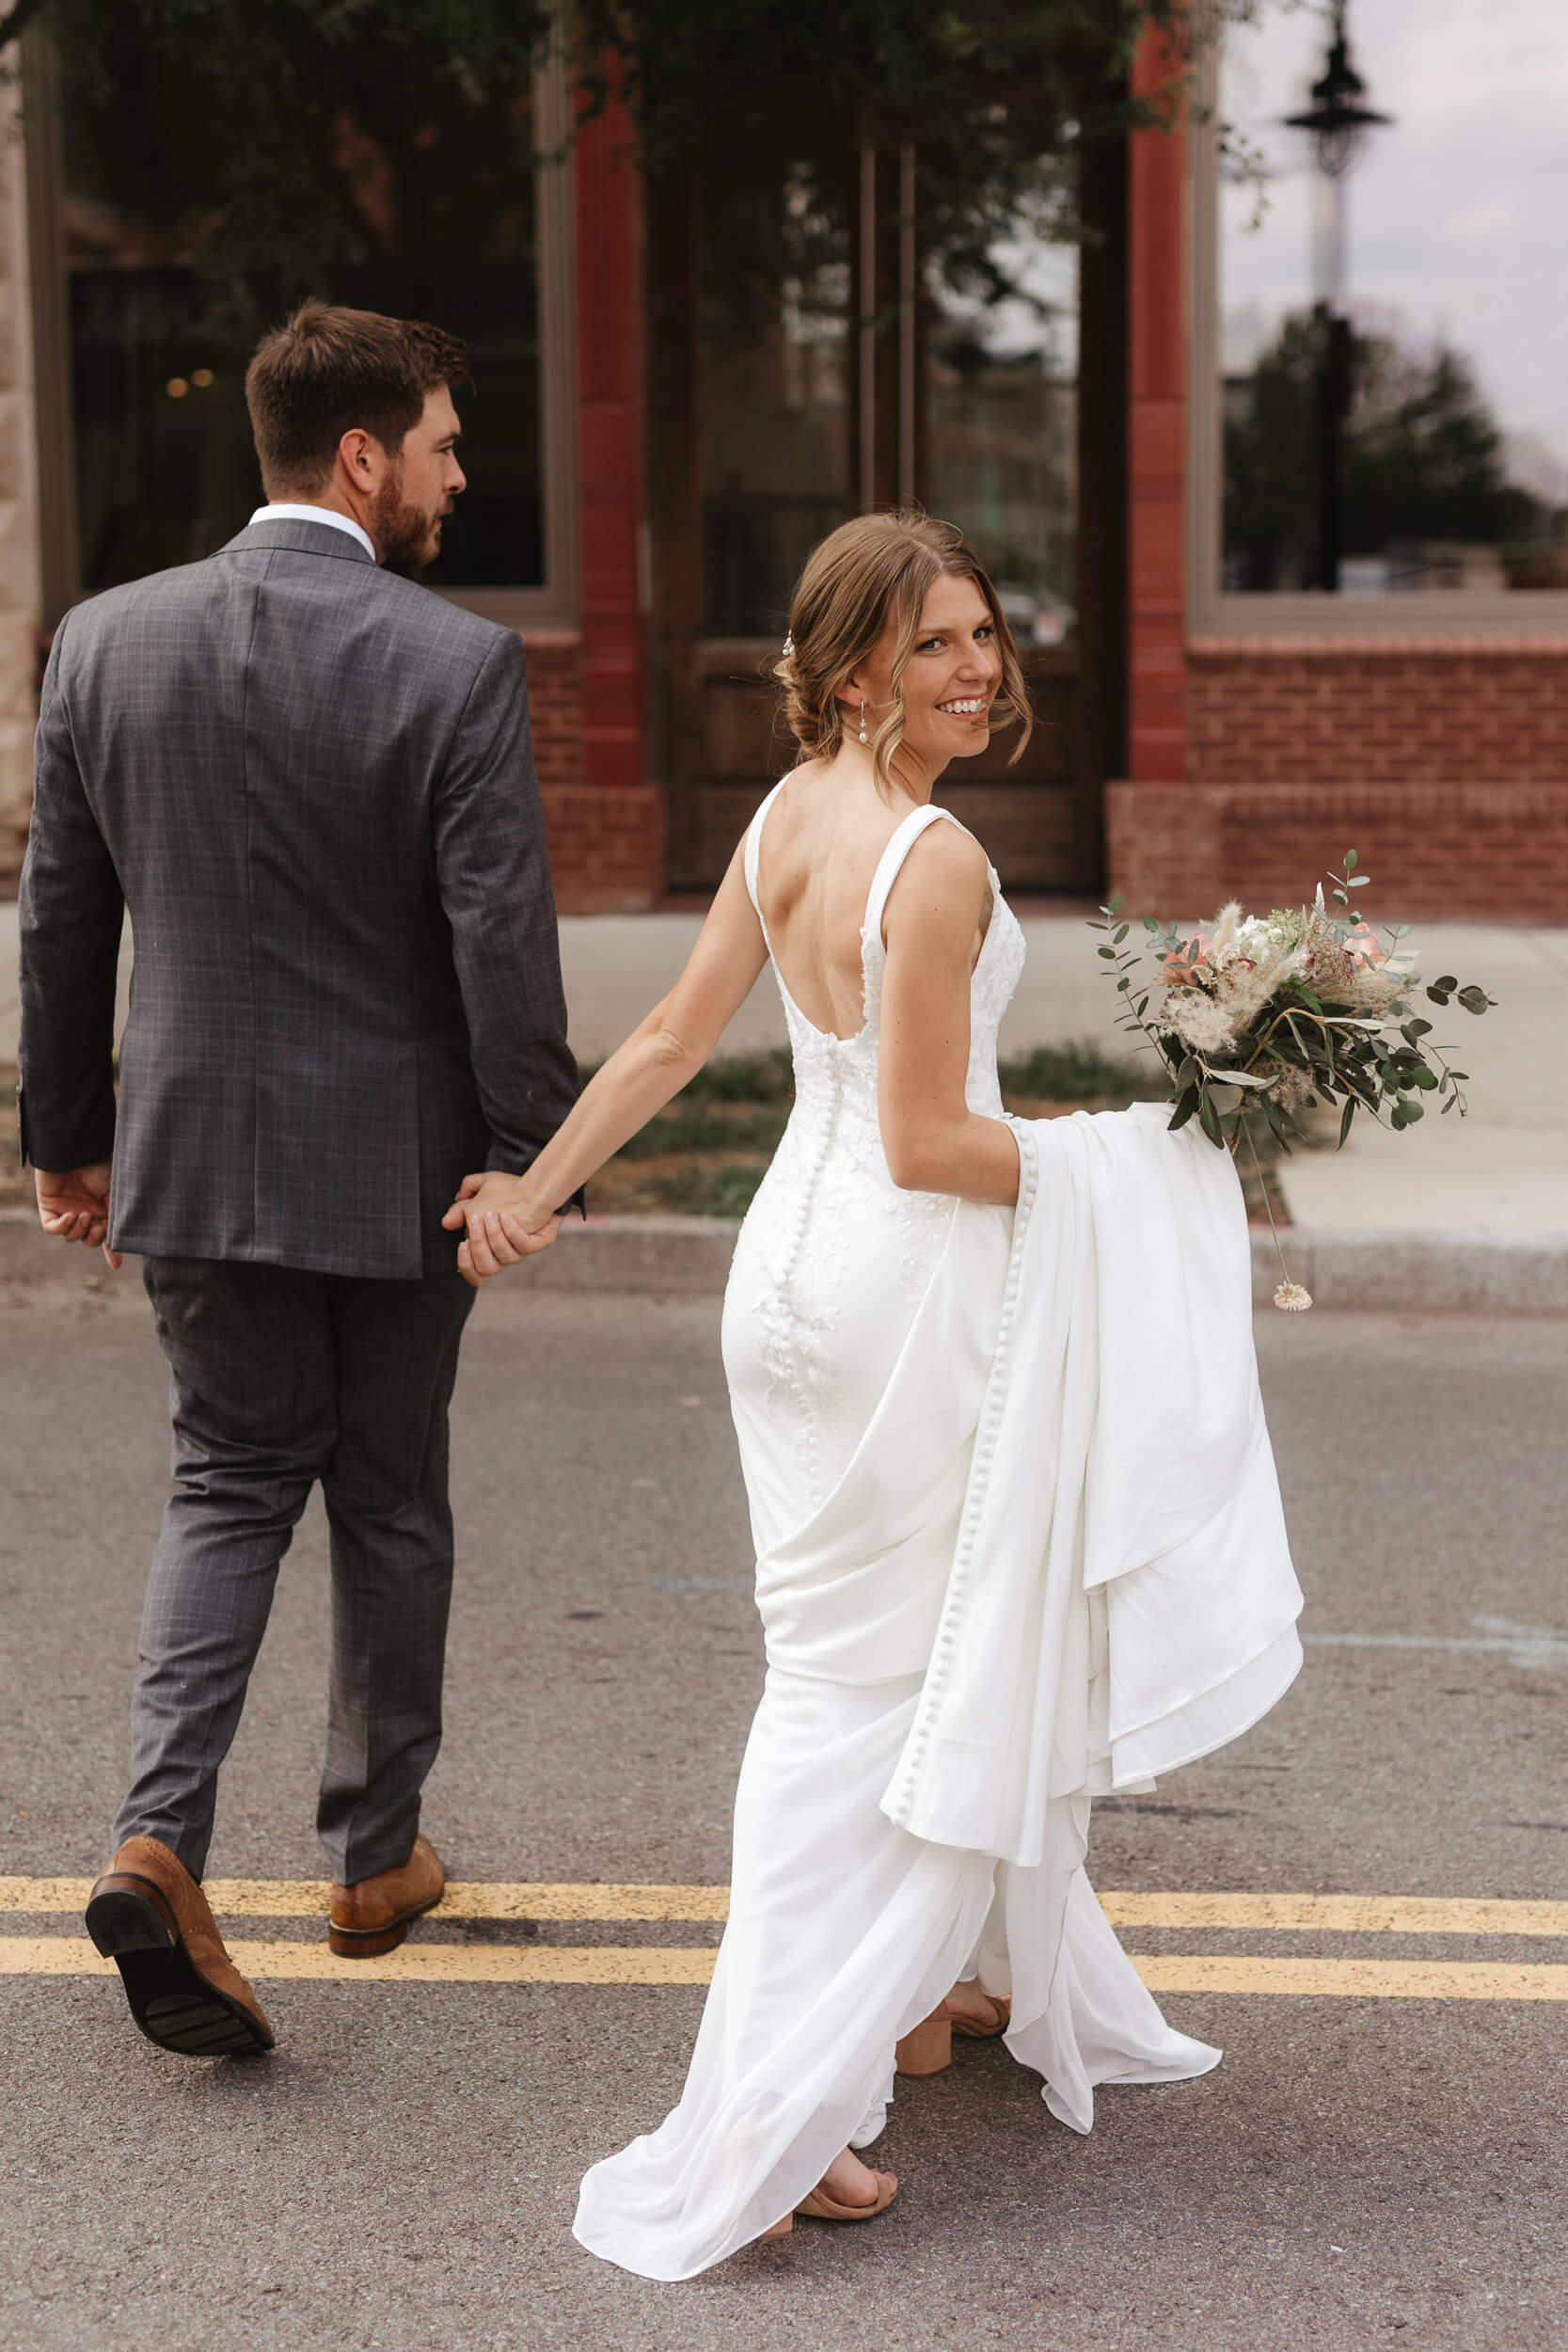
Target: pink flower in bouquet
[
  {"x": 1182, "y": 968},
  {"x": 1361, "y": 945}
]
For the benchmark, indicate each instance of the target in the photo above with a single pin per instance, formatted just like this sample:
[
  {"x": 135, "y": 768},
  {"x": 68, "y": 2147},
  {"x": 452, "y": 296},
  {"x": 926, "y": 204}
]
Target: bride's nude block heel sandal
[
  {"x": 820, "y": 2207},
  {"x": 927, "y": 2048},
  {"x": 1003, "y": 2005}
]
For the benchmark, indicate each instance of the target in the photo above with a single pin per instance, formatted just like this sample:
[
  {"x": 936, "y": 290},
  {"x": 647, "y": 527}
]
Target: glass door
[{"x": 812, "y": 353}]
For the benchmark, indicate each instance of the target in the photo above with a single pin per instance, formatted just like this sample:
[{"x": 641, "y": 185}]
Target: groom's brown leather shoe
[
  {"x": 372, "y": 1915},
  {"x": 148, "y": 1915}
]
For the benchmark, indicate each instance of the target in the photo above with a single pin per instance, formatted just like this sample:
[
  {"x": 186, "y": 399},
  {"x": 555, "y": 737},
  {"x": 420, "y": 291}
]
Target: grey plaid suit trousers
[{"x": 311, "y": 784}]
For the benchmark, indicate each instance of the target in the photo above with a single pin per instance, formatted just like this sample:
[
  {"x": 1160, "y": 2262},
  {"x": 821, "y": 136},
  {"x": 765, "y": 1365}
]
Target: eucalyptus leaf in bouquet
[{"x": 1260, "y": 1017}]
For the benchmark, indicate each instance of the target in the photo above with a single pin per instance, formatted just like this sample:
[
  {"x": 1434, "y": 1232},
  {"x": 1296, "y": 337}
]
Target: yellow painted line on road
[
  {"x": 1363, "y": 1980},
  {"x": 51, "y": 1956},
  {"x": 306, "y": 1899},
  {"x": 1341, "y": 1914},
  {"x": 411, "y": 1963},
  {"x": 693, "y": 1965}
]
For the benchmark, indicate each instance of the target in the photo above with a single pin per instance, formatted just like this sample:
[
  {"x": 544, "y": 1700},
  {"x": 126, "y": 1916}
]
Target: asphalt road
[{"x": 401, "y": 2173}]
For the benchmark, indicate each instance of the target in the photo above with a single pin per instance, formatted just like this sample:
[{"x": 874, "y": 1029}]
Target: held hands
[
  {"x": 502, "y": 1230},
  {"x": 75, "y": 1206}
]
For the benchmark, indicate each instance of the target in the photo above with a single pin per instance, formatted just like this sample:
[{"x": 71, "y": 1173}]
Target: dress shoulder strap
[
  {"x": 754, "y": 849},
  {"x": 891, "y": 861}
]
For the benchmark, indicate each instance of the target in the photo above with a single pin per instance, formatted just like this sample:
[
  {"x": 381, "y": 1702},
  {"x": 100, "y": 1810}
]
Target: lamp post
[{"x": 1337, "y": 122}]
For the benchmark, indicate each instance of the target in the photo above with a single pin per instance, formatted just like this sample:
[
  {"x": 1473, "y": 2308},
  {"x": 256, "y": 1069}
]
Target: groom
[{"x": 310, "y": 782}]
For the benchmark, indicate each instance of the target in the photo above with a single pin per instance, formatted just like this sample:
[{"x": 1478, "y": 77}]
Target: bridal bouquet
[{"x": 1267, "y": 1015}]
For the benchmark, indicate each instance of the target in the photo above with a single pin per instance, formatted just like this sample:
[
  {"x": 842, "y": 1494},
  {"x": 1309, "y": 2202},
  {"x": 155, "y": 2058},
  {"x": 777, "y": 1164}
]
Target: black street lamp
[{"x": 1337, "y": 122}]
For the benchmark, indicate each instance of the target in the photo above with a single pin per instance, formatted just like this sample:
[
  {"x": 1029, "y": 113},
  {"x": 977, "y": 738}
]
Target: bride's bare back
[
  {"x": 820, "y": 849},
  {"x": 821, "y": 844}
]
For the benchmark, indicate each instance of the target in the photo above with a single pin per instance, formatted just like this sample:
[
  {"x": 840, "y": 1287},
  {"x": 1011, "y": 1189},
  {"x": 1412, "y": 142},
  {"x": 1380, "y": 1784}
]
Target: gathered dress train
[{"x": 1010, "y": 1557}]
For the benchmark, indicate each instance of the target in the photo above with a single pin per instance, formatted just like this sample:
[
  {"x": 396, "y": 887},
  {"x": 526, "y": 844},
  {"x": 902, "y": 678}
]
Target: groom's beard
[{"x": 407, "y": 535}]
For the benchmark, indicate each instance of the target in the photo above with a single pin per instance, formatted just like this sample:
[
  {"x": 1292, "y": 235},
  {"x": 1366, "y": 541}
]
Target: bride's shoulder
[
  {"x": 951, "y": 871},
  {"x": 949, "y": 849}
]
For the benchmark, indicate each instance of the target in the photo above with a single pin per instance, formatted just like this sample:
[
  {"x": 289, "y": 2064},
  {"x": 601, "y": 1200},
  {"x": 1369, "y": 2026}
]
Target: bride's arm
[
  {"x": 640, "y": 1077},
  {"x": 933, "y": 1141}
]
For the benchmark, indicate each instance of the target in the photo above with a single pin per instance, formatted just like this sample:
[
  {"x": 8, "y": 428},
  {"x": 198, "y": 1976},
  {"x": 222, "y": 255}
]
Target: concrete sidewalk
[{"x": 1500, "y": 1173}]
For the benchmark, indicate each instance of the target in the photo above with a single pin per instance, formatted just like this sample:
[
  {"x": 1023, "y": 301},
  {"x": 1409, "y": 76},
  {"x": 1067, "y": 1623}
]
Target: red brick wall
[
  {"x": 1436, "y": 848},
  {"x": 1315, "y": 710},
  {"x": 555, "y": 705},
  {"x": 607, "y": 841},
  {"x": 1443, "y": 762}
]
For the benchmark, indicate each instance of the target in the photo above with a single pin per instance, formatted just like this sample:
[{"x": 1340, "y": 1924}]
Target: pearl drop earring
[{"x": 862, "y": 718}]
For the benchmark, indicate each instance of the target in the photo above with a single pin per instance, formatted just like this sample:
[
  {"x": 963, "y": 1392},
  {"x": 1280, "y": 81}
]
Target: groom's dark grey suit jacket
[{"x": 312, "y": 783}]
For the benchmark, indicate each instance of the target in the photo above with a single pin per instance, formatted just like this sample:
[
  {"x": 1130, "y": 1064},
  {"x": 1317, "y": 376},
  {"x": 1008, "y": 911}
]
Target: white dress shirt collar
[{"x": 284, "y": 514}]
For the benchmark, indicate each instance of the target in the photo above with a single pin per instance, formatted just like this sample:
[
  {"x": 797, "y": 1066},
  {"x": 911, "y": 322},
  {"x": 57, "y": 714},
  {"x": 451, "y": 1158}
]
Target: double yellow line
[{"x": 426, "y": 1962}]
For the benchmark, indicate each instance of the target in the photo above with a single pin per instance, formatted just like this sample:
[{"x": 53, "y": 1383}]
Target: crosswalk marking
[
  {"x": 1358, "y": 1915},
  {"x": 693, "y": 1965}
]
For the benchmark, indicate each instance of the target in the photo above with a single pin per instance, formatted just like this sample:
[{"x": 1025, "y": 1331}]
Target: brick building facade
[{"x": 1252, "y": 756}]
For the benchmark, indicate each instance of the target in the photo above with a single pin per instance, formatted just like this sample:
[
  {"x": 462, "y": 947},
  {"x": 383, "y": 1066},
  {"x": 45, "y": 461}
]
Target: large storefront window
[
  {"x": 1395, "y": 369},
  {"x": 1001, "y": 400},
  {"x": 981, "y": 388},
  {"x": 831, "y": 332},
  {"x": 436, "y": 216},
  {"x": 774, "y": 378}
]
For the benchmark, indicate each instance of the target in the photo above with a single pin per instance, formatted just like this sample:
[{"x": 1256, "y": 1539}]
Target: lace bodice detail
[{"x": 828, "y": 1210}]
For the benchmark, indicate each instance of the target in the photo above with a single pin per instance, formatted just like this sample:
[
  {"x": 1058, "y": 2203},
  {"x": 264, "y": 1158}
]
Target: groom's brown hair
[{"x": 327, "y": 372}]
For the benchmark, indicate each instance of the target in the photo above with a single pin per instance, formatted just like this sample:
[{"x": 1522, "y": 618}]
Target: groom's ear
[{"x": 362, "y": 458}]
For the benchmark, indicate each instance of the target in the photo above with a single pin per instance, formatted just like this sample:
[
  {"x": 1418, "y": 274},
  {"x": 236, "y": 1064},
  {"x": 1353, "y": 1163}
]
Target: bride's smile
[{"x": 949, "y": 681}]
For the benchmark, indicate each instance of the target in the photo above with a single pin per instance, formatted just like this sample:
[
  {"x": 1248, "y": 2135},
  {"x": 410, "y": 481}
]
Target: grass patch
[
  {"x": 1080, "y": 1073},
  {"x": 687, "y": 1125},
  {"x": 705, "y": 1153},
  {"x": 699, "y": 1191},
  {"x": 16, "y": 1184}
]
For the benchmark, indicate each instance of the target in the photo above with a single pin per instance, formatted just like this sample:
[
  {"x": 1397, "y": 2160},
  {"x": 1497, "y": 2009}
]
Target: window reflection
[
  {"x": 1001, "y": 409},
  {"x": 774, "y": 378},
  {"x": 438, "y": 199},
  {"x": 1454, "y": 442}
]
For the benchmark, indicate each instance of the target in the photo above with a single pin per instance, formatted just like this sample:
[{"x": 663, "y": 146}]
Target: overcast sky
[{"x": 1458, "y": 213}]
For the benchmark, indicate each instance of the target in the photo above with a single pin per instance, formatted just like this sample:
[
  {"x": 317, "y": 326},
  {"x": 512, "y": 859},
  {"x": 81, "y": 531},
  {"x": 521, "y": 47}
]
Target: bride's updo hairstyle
[{"x": 878, "y": 568}]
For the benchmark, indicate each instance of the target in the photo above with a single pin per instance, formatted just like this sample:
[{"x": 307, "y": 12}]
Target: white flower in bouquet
[{"x": 1217, "y": 992}]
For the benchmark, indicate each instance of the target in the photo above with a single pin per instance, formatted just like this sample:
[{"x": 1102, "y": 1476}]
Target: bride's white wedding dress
[{"x": 989, "y": 1588}]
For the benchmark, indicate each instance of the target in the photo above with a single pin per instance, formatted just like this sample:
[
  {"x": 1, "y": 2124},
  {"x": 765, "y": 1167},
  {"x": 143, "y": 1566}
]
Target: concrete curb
[
  {"x": 1449, "y": 1273},
  {"x": 689, "y": 1256}
]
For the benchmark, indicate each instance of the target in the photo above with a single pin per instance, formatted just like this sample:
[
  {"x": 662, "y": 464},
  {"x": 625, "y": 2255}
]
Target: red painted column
[
  {"x": 1157, "y": 433},
  {"x": 1163, "y": 834},
  {"x": 606, "y": 835}
]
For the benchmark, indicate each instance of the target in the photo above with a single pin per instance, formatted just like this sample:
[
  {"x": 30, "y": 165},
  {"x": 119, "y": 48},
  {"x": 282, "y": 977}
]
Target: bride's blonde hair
[{"x": 870, "y": 571}]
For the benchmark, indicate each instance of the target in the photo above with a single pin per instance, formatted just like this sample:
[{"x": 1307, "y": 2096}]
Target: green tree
[
  {"x": 224, "y": 123},
  {"x": 1423, "y": 457}
]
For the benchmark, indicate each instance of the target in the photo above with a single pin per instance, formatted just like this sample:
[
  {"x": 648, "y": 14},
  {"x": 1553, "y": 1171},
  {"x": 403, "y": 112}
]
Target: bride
[{"x": 999, "y": 1568}]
